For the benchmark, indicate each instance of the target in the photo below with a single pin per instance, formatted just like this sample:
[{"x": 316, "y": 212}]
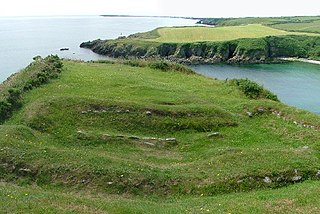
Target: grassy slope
[
  {"x": 197, "y": 34},
  {"x": 313, "y": 27},
  {"x": 301, "y": 198},
  {"x": 309, "y": 24},
  {"x": 43, "y": 137}
]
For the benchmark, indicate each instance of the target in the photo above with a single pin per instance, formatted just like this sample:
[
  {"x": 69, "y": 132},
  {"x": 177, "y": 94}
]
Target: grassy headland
[
  {"x": 244, "y": 40},
  {"x": 214, "y": 34},
  {"x": 137, "y": 136}
]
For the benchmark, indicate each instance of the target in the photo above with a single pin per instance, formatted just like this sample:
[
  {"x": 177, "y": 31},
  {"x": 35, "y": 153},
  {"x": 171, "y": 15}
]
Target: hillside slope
[{"x": 150, "y": 136}]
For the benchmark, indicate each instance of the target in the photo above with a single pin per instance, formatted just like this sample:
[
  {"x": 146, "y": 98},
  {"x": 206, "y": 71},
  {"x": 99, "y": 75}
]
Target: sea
[{"x": 22, "y": 38}]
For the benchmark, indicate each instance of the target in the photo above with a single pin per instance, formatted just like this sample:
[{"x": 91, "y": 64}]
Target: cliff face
[{"x": 255, "y": 50}]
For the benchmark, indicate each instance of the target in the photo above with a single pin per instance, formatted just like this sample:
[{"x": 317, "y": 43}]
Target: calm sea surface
[
  {"x": 22, "y": 38},
  {"x": 296, "y": 84}
]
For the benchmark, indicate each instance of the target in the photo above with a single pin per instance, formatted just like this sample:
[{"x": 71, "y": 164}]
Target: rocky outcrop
[{"x": 253, "y": 50}]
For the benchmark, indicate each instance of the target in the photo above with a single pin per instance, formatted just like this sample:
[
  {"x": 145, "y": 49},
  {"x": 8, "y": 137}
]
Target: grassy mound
[{"x": 141, "y": 137}]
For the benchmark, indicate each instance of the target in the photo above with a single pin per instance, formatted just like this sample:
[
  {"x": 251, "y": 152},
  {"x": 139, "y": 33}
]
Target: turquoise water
[
  {"x": 296, "y": 84},
  {"x": 22, "y": 38}
]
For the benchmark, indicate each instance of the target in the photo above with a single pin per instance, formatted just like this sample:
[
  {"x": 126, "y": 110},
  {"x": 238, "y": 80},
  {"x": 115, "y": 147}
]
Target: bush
[
  {"x": 5, "y": 110},
  {"x": 135, "y": 63},
  {"x": 36, "y": 74},
  {"x": 161, "y": 65},
  {"x": 253, "y": 90},
  {"x": 14, "y": 97}
]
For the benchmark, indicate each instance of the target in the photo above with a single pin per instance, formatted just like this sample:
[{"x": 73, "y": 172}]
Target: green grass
[
  {"x": 301, "y": 198},
  {"x": 313, "y": 27},
  {"x": 198, "y": 34},
  {"x": 308, "y": 24},
  {"x": 57, "y": 143}
]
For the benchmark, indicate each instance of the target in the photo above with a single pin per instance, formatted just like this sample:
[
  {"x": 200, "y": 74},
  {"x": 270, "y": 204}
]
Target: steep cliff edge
[{"x": 251, "y": 50}]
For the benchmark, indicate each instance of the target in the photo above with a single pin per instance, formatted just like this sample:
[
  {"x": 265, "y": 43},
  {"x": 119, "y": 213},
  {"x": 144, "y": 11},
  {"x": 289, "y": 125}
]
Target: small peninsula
[{"x": 245, "y": 41}]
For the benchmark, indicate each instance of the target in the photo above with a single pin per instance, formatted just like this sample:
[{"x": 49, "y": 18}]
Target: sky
[{"x": 186, "y": 8}]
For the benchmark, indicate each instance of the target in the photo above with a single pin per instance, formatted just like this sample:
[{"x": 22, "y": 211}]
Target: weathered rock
[
  {"x": 171, "y": 139},
  {"x": 267, "y": 180},
  {"x": 260, "y": 110},
  {"x": 106, "y": 136},
  {"x": 148, "y": 112},
  {"x": 25, "y": 170},
  {"x": 279, "y": 179},
  {"x": 4, "y": 165},
  {"x": 305, "y": 147},
  {"x": 149, "y": 144},
  {"x": 250, "y": 114},
  {"x": 214, "y": 134},
  {"x": 134, "y": 137},
  {"x": 149, "y": 138},
  {"x": 296, "y": 178},
  {"x": 239, "y": 181}
]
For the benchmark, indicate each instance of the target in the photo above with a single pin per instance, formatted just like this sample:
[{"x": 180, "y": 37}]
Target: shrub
[
  {"x": 253, "y": 90},
  {"x": 39, "y": 72},
  {"x": 5, "y": 108},
  {"x": 135, "y": 63},
  {"x": 161, "y": 65},
  {"x": 14, "y": 97}
]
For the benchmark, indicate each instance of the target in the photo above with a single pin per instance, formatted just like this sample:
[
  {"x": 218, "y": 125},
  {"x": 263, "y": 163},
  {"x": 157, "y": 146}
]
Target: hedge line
[{"x": 39, "y": 72}]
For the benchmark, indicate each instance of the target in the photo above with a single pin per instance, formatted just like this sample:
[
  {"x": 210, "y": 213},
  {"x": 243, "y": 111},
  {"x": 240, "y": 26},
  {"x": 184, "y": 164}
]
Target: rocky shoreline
[{"x": 270, "y": 49}]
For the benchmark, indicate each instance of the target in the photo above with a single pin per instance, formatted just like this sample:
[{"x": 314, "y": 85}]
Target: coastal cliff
[{"x": 251, "y": 50}]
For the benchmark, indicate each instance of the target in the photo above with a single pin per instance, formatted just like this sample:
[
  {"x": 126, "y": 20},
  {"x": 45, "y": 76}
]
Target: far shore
[{"x": 292, "y": 59}]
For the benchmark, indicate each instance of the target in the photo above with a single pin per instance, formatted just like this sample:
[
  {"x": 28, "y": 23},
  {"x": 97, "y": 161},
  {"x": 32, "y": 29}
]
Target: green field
[
  {"x": 98, "y": 139},
  {"x": 300, "y": 27},
  {"x": 309, "y": 24},
  {"x": 198, "y": 34}
]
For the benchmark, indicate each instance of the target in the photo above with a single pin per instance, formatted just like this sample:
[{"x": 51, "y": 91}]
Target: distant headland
[{"x": 135, "y": 16}]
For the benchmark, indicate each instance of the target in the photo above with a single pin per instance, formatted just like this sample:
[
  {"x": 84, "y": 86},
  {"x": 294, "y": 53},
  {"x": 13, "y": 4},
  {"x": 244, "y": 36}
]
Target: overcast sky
[{"x": 198, "y": 8}]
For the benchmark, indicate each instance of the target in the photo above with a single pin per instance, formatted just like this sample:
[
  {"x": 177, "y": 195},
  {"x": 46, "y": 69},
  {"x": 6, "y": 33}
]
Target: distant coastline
[{"x": 134, "y": 16}]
